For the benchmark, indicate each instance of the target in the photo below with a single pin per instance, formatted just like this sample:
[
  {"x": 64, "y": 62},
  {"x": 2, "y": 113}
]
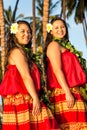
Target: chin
[
  {"x": 26, "y": 43},
  {"x": 61, "y": 37}
]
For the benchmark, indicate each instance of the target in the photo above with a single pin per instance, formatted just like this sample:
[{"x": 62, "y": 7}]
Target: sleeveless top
[
  {"x": 12, "y": 82},
  {"x": 72, "y": 69}
]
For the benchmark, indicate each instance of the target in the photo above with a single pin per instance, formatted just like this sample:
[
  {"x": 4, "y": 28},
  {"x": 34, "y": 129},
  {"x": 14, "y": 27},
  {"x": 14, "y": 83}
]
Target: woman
[
  {"x": 64, "y": 78},
  {"x": 21, "y": 85}
]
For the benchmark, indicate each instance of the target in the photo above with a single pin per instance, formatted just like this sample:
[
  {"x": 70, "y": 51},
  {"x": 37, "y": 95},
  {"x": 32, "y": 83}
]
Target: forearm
[
  {"x": 61, "y": 80},
  {"x": 30, "y": 87},
  {"x": 32, "y": 91}
]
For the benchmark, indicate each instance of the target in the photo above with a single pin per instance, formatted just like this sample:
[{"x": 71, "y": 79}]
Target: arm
[
  {"x": 17, "y": 57},
  {"x": 54, "y": 55}
]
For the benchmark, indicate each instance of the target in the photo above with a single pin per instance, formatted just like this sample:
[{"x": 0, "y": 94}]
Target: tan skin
[
  {"x": 17, "y": 58},
  {"x": 54, "y": 52}
]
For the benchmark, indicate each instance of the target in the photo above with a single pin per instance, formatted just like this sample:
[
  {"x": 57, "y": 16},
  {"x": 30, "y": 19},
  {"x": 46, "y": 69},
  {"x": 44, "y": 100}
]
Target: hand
[
  {"x": 36, "y": 107},
  {"x": 70, "y": 100}
]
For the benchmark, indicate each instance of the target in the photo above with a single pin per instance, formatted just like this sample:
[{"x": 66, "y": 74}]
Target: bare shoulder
[
  {"x": 53, "y": 46},
  {"x": 16, "y": 52},
  {"x": 16, "y": 55}
]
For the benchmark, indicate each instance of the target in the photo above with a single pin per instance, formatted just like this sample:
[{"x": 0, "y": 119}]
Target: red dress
[
  {"x": 74, "y": 118},
  {"x": 17, "y": 110}
]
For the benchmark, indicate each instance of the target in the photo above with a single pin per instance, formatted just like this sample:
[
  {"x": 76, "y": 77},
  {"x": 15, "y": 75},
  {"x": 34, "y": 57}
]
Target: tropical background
[{"x": 39, "y": 13}]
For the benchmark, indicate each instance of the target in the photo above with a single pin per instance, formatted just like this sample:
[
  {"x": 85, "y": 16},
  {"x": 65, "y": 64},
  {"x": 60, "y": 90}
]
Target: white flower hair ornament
[
  {"x": 49, "y": 27},
  {"x": 14, "y": 28}
]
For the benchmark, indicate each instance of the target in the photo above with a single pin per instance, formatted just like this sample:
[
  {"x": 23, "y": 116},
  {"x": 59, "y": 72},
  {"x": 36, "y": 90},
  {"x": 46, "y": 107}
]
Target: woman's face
[
  {"x": 23, "y": 35},
  {"x": 58, "y": 29}
]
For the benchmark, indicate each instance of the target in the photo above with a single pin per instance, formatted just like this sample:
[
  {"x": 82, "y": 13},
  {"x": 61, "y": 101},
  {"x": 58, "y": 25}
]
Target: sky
[{"x": 75, "y": 31}]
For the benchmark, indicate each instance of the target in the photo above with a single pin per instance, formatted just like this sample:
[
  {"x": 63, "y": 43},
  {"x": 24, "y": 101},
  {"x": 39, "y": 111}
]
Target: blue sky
[{"x": 75, "y": 31}]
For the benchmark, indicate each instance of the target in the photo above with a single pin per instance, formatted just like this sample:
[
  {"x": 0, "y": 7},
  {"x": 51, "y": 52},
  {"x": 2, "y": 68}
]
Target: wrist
[{"x": 35, "y": 97}]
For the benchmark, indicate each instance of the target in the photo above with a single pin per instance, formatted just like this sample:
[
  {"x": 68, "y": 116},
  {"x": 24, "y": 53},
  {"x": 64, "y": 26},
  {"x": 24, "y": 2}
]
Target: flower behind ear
[
  {"x": 49, "y": 27},
  {"x": 14, "y": 28}
]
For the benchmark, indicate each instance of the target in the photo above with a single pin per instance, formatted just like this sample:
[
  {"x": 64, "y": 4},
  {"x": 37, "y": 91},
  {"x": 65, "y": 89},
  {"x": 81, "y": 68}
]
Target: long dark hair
[
  {"x": 49, "y": 39},
  {"x": 12, "y": 42}
]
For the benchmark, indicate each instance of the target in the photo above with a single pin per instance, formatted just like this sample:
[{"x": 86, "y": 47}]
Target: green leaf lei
[{"x": 66, "y": 43}]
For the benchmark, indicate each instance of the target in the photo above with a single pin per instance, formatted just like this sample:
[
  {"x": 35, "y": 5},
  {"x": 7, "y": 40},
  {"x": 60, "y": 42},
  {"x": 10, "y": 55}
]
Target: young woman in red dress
[
  {"x": 65, "y": 75},
  {"x": 22, "y": 109}
]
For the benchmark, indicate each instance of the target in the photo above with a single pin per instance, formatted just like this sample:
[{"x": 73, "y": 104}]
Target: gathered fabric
[
  {"x": 72, "y": 69},
  {"x": 12, "y": 82}
]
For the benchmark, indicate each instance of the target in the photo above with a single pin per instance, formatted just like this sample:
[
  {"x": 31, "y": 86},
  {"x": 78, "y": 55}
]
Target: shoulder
[
  {"x": 16, "y": 52},
  {"x": 53, "y": 46},
  {"x": 16, "y": 55}
]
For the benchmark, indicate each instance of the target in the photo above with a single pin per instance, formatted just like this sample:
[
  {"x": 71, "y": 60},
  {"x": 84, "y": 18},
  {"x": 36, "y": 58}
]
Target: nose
[
  {"x": 60, "y": 28},
  {"x": 26, "y": 33}
]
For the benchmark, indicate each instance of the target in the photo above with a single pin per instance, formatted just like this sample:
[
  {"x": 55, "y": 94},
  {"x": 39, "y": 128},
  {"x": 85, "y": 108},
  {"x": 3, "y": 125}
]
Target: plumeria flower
[
  {"x": 49, "y": 27},
  {"x": 14, "y": 28}
]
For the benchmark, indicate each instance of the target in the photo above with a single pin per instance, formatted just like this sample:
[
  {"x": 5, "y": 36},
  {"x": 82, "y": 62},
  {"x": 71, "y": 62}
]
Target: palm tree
[
  {"x": 2, "y": 34},
  {"x": 45, "y": 18},
  {"x": 63, "y": 10},
  {"x": 80, "y": 8},
  {"x": 34, "y": 27},
  {"x": 2, "y": 43}
]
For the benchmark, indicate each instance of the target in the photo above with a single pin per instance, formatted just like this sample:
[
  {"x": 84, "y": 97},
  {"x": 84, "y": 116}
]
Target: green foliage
[
  {"x": 84, "y": 91},
  {"x": 79, "y": 7},
  {"x": 82, "y": 61},
  {"x": 44, "y": 93}
]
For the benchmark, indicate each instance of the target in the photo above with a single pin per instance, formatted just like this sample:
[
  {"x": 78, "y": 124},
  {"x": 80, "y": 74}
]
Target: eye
[
  {"x": 22, "y": 31},
  {"x": 28, "y": 32},
  {"x": 63, "y": 26},
  {"x": 56, "y": 27}
]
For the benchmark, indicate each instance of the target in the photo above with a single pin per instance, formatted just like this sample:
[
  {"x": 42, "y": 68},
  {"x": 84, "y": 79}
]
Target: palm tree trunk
[
  {"x": 45, "y": 18},
  {"x": 45, "y": 21},
  {"x": 84, "y": 30},
  {"x": 15, "y": 10},
  {"x": 2, "y": 31},
  {"x": 34, "y": 27},
  {"x": 63, "y": 11}
]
